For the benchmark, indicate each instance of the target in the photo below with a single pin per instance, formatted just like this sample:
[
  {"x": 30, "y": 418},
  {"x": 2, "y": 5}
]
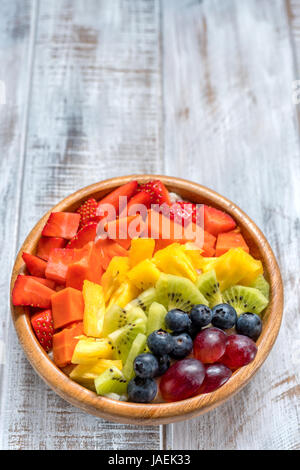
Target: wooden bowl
[{"x": 153, "y": 414}]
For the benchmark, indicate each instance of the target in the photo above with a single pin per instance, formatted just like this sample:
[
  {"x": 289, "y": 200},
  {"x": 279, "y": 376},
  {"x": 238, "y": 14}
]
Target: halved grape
[
  {"x": 240, "y": 351},
  {"x": 182, "y": 380},
  {"x": 216, "y": 375},
  {"x": 210, "y": 345}
]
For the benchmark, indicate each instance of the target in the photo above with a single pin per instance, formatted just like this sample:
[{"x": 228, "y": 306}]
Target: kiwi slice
[
  {"x": 123, "y": 337},
  {"x": 137, "y": 348},
  {"x": 114, "y": 318},
  {"x": 156, "y": 317},
  {"x": 144, "y": 300},
  {"x": 208, "y": 286},
  {"x": 245, "y": 299},
  {"x": 178, "y": 292},
  {"x": 261, "y": 284},
  {"x": 111, "y": 381}
]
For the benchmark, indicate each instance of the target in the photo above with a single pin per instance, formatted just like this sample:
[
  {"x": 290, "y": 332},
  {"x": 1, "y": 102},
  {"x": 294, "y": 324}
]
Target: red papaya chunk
[
  {"x": 229, "y": 240},
  {"x": 35, "y": 265},
  {"x": 108, "y": 249},
  {"x": 28, "y": 291},
  {"x": 62, "y": 224},
  {"x": 88, "y": 267},
  {"x": 124, "y": 229},
  {"x": 67, "y": 307},
  {"x": 47, "y": 244},
  {"x": 64, "y": 343}
]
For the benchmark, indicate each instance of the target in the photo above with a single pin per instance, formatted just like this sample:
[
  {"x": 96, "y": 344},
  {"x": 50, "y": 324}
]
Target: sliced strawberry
[
  {"x": 157, "y": 190},
  {"x": 108, "y": 249},
  {"x": 112, "y": 198},
  {"x": 27, "y": 291},
  {"x": 87, "y": 212},
  {"x": 36, "y": 266},
  {"x": 229, "y": 240},
  {"x": 46, "y": 244},
  {"x": 45, "y": 282},
  {"x": 42, "y": 324},
  {"x": 216, "y": 221},
  {"x": 142, "y": 197},
  {"x": 62, "y": 224},
  {"x": 85, "y": 235}
]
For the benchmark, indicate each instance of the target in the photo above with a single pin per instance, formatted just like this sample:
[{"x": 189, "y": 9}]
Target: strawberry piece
[
  {"x": 142, "y": 197},
  {"x": 45, "y": 282},
  {"x": 108, "y": 249},
  {"x": 46, "y": 244},
  {"x": 216, "y": 221},
  {"x": 85, "y": 235},
  {"x": 229, "y": 240},
  {"x": 36, "y": 266},
  {"x": 112, "y": 198},
  {"x": 28, "y": 291},
  {"x": 205, "y": 240},
  {"x": 42, "y": 324},
  {"x": 87, "y": 212},
  {"x": 157, "y": 190},
  {"x": 183, "y": 212},
  {"x": 62, "y": 224}
]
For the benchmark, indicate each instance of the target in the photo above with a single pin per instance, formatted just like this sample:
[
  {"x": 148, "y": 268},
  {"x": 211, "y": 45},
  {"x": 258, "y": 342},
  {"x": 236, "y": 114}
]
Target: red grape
[
  {"x": 216, "y": 375},
  {"x": 240, "y": 350},
  {"x": 210, "y": 345},
  {"x": 182, "y": 380}
]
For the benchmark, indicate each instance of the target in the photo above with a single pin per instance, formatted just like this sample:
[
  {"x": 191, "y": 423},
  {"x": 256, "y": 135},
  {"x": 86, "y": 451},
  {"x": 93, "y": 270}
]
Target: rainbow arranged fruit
[{"x": 121, "y": 311}]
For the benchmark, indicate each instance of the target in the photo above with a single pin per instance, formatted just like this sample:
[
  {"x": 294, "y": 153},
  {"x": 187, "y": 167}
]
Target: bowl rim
[{"x": 157, "y": 413}]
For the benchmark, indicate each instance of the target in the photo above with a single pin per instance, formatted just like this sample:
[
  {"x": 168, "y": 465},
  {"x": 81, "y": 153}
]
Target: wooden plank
[
  {"x": 230, "y": 124},
  {"x": 16, "y": 41},
  {"x": 95, "y": 112}
]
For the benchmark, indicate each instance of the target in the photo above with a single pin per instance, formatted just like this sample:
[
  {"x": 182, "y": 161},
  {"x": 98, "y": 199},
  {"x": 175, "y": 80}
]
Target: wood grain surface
[{"x": 197, "y": 89}]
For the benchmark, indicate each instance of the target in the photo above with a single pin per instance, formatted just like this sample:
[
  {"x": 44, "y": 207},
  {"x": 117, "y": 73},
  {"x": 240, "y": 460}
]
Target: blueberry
[
  {"x": 146, "y": 366},
  {"x": 183, "y": 345},
  {"x": 163, "y": 364},
  {"x": 249, "y": 324},
  {"x": 177, "y": 320},
  {"x": 193, "y": 330},
  {"x": 201, "y": 315},
  {"x": 160, "y": 342},
  {"x": 224, "y": 316},
  {"x": 142, "y": 390}
]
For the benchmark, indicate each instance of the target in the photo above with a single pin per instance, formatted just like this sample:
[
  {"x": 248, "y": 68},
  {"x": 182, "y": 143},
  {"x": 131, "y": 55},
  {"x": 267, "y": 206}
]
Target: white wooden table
[{"x": 197, "y": 89}]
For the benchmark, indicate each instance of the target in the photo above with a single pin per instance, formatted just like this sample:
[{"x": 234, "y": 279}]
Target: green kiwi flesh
[
  {"x": 156, "y": 317},
  {"x": 261, "y": 284},
  {"x": 111, "y": 381},
  {"x": 245, "y": 299},
  {"x": 208, "y": 285},
  {"x": 123, "y": 337},
  {"x": 178, "y": 292},
  {"x": 144, "y": 300},
  {"x": 137, "y": 348}
]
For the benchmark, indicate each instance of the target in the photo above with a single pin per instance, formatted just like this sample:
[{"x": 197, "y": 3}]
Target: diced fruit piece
[
  {"x": 173, "y": 260},
  {"x": 194, "y": 253},
  {"x": 87, "y": 212},
  {"x": 111, "y": 381},
  {"x": 59, "y": 261},
  {"x": 201, "y": 316},
  {"x": 127, "y": 190},
  {"x": 208, "y": 286},
  {"x": 224, "y": 316},
  {"x": 216, "y": 375},
  {"x": 123, "y": 338},
  {"x": 245, "y": 299},
  {"x": 178, "y": 292},
  {"x": 42, "y": 324},
  {"x": 136, "y": 349},
  {"x": 240, "y": 351},
  {"x": 177, "y": 321},
  {"x": 142, "y": 390},
  {"x": 62, "y": 224},
  {"x": 85, "y": 374},
  {"x": 183, "y": 345},
  {"x": 114, "y": 318},
  {"x": 87, "y": 267},
  {"x": 45, "y": 282},
  {"x": 203, "y": 239},
  {"x": 156, "y": 317},
  {"x": 229, "y": 240},
  {"x": 144, "y": 275},
  {"x": 234, "y": 267},
  {"x": 160, "y": 342},
  {"x": 67, "y": 307},
  {"x": 182, "y": 212},
  {"x": 210, "y": 345},
  {"x": 94, "y": 309},
  {"x": 124, "y": 229},
  {"x": 85, "y": 235},
  {"x": 27, "y": 291},
  {"x": 163, "y": 230},
  {"x": 249, "y": 324},
  {"x": 124, "y": 294},
  {"x": 47, "y": 244},
  {"x": 144, "y": 300},
  {"x": 36, "y": 266},
  {"x": 64, "y": 343},
  {"x": 216, "y": 221},
  {"x": 108, "y": 249},
  {"x": 143, "y": 198},
  {"x": 115, "y": 274},
  {"x": 140, "y": 249},
  {"x": 146, "y": 365},
  {"x": 182, "y": 380},
  {"x": 261, "y": 284},
  {"x": 89, "y": 350},
  {"x": 157, "y": 190}
]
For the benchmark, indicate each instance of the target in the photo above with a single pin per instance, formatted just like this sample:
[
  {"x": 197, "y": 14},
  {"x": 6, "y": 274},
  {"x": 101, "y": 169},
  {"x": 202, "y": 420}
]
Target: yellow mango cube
[
  {"x": 89, "y": 350},
  {"x": 126, "y": 292},
  {"x": 174, "y": 260},
  {"x": 114, "y": 275},
  {"x": 144, "y": 275},
  {"x": 94, "y": 309},
  {"x": 85, "y": 374},
  {"x": 141, "y": 249}
]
